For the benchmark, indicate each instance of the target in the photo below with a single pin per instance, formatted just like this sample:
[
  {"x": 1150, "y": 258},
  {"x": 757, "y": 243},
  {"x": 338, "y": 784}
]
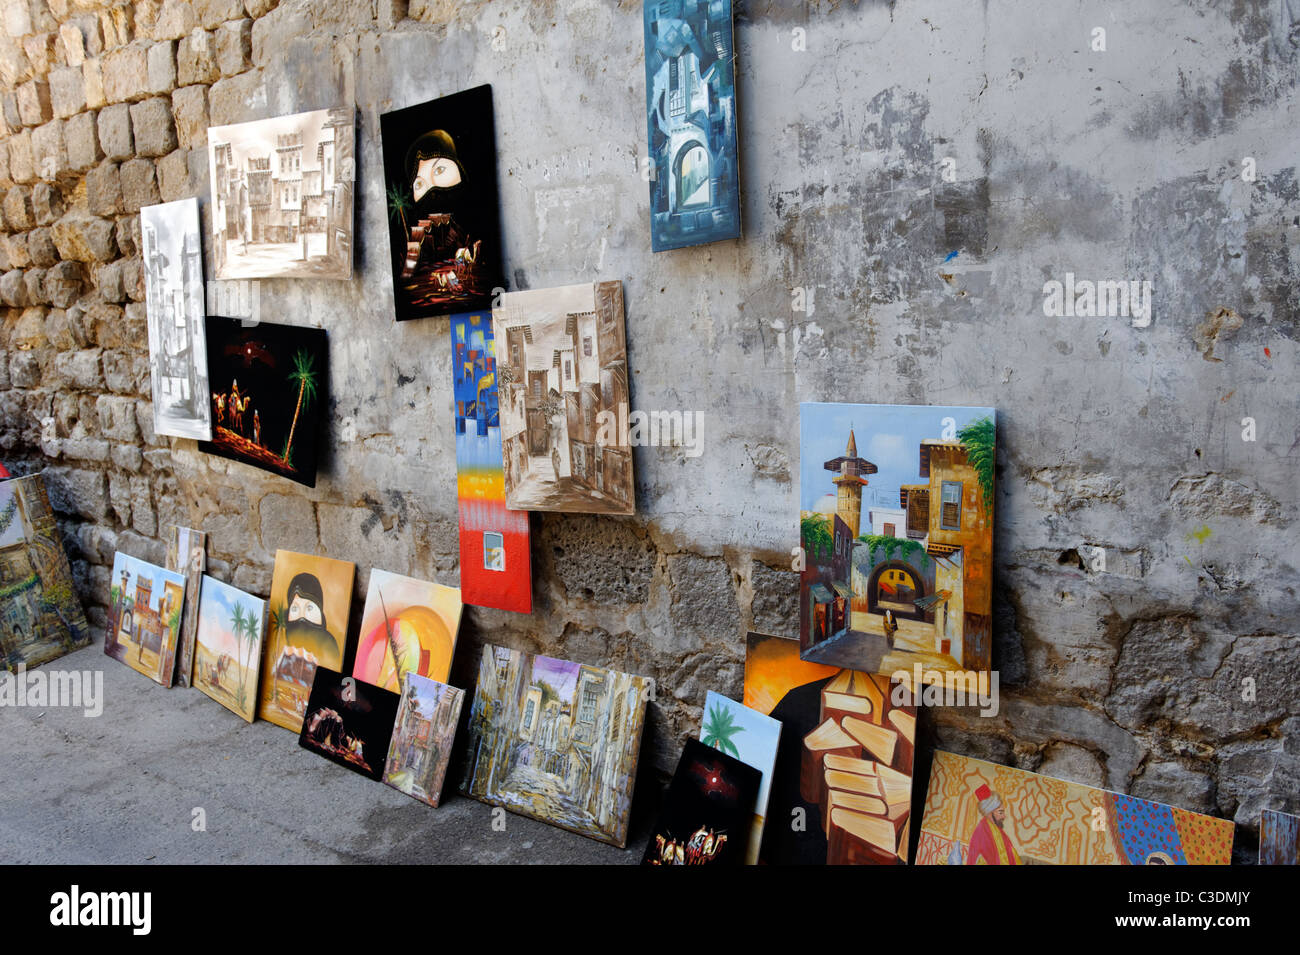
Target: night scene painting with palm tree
[
  {"x": 750, "y": 737},
  {"x": 269, "y": 386},
  {"x": 228, "y": 649}
]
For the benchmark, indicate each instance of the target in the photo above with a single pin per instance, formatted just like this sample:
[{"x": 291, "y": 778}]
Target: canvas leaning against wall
[
  {"x": 422, "y": 738},
  {"x": 282, "y": 196},
  {"x": 556, "y": 740},
  {"x": 171, "y": 255},
  {"x": 707, "y": 812},
  {"x": 495, "y": 564},
  {"x": 440, "y": 170},
  {"x": 408, "y": 626},
  {"x": 563, "y": 377},
  {"x": 690, "y": 82},
  {"x": 1279, "y": 838},
  {"x": 143, "y": 629},
  {"x": 187, "y": 555},
  {"x": 980, "y": 813},
  {"x": 40, "y": 616},
  {"x": 753, "y": 739},
  {"x": 349, "y": 722},
  {"x": 270, "y": 386},
  {"x": 228, "y": 654},
  {"x": 896, "y": 525}
]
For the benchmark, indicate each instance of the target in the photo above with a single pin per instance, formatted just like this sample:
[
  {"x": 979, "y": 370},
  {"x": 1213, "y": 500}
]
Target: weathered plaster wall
[{"x": 1122, "y": 164}]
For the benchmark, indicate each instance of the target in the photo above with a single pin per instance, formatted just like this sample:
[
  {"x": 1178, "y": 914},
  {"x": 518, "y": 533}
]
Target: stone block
[
  {"x": 152, "y": 127},
  {"x": 22, "y": 168},
  {"x": 81, "y": 369},
  {"x": 47, "y": 203},
  {"x": 126, "y": 73},
  {"x": 34, "y": 279},
  {"x": 104, "y": 190},
  {"x": 67, "y": 91},
  {"x": 196, "y": 59},
  {"x": 34, "y": 107},
  {"x": 74, "y": 44},
  {"x": 81, "y": 139},
  {"x": 92, "y": 75},
  {"x": 64, "y": 283},
  {"x": 49, "y": 151},
  {"x": 190, "y": 113},
  {"x": 288, "y": 521},
  {"x": 139, "y": 185},
  {"x": 84, "y": 238},
  {"x": 162, "y": 67},
  {"x": 13, "y": 290},
  {"x": 18, "y": 209},
  {"x": 114, "y": 126},
  {"x": 40, "y": 245},
  {"x": 234, "y": 46},
  {"x": 78, "y": 492}
]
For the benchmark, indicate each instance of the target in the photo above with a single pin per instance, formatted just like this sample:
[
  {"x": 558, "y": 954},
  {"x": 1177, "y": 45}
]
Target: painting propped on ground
[
  {"x": 1279, "y": 838},
  {"x": 311, "y": 598},
  {"x": 690, "y": 82},
  {"x": 980, "y": 813},
  {"x": 145, "y": 603},
  {"x": 440, "y": 169},
  {"x": 752, "y": 738},
  {"x": 228, "y": 655},
  {"x": 495, "y": 564},
  {"x": 270, "y": 384},
  {"x": 844, "y": 764},
  {"x": 897, "y": 537},
  {"x": 422, "y": 738},
  {"x": 282, "y": 196},
  {"x": 40, "y": 616},
  {"x": 556, "y": 740},
  {"x": 349, "y": 722},
  {"x": 707, "y": 812},
  {"x": 408, "y": 626},
  {"x": 564, "y": 382},
  {"x": 187, "y": 554}
]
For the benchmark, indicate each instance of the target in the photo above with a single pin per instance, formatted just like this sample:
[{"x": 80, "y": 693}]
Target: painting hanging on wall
[
  {"x": 270, "y": 386},
  {"x": 690, "y": 83},
  {"x": 752, "y": 738},
  {"x": 443, "y": 211},
  {"x": 40, "y": 616},
  {"x": 171, "y": 256},
  {"x": 707, "y": 812},
  {"x": 349, "y": 722},
  {"x": 897, "y": 537},
  {"x": 282, "y": 196},
  {"x": 563, "y": 379},
  {"x": 311, "y": 598},
  {"x": 495, "y": 565},
  {"x": 145, "y": 603},
  {"x": 556, "y": 740},
  {"x": 187, "y": 554},
  {"x": 1279, "y": 838},
  {"x": 408, "y": 626},
  {"x": 844, "y": 763},
  {"x": 228, "y": 653},
  {"x": 980, "y": 813},
  {"x": 422, "y": 737}
]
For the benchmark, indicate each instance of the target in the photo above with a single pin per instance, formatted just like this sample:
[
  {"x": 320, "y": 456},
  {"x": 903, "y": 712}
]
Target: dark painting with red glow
[
  {"x": 349, "y": 722},
  {"x": 269, "y": 386},
  {"x": 706, "y": 816}
]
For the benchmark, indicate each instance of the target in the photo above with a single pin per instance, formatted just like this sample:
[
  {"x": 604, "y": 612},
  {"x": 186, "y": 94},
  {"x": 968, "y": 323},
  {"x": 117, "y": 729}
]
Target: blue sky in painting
[{"x": 756, "y": 742}]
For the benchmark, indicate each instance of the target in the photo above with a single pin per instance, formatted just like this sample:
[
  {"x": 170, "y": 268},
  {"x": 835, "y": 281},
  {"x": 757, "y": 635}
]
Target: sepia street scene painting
[
  {"x": 172, "y": 258},
  {"x": 556, "y": 740},
  {"x": 40, "y": 616},
  {"x": 228, "y": 655},
  {"x": 282, "y": 196},
  {"x": 561, "y": 359},
  {"x": 422, "y": 737},
  {"x": 145, "y": 603}
]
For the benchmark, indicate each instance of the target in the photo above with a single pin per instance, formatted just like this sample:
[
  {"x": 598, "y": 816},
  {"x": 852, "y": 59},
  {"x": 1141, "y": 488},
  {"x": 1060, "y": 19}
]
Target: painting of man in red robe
[{"x": 989, "y": 842}]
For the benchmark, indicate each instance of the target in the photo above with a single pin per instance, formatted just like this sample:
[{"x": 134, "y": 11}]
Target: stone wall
[{"x": 1128, "y": 162}]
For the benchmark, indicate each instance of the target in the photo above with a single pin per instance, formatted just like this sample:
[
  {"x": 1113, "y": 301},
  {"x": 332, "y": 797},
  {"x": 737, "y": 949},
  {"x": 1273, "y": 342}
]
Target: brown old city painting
[
  {"x": 563, "y": 382},
  {"x": 556, "y": 740},
  {"x": 144, "y": 617}
]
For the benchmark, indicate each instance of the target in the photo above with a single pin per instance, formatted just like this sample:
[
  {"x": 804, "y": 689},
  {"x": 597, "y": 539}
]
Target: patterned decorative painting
[
  {"x": 1279, "y": 838},
  {"x": 408, "y": 626},
  {"x": 495, "y": 566},
  {"x": 979, "y": 813}
]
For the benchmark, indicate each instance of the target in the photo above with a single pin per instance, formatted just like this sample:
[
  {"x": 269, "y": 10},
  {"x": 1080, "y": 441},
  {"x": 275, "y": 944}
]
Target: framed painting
[
  {"x": 707, "y": 812},
  {"x": 556, "y": 740},
  {"x": 980, "y": 813},
  {"x": 270, "y": 386},
  {"x": 228, "y": 650},
  {"x": 143, "y": 629},
  {"x": 495, "y": 564},
  {"x": 349, "y": 722},
  {"x": 40, "y": 616},
  {"x": 187, "y": 554},
  {"x": 897, "y": 538},
  {"x": 444, "y": 215},
  {"x": 563, "y": 378},
  {"x": 408, "y": 626},
  {"x": 753, "y": 739},
  {"x": 311, "y": 598},
  {"x": 282, "y": 196},
  {"x": 422, "y": 738},
  {"x": 171, "y": 256},
  {"x": 690, "y": 86}
]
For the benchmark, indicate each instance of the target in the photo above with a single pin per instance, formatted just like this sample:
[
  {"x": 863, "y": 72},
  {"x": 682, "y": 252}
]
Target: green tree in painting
[
  {"x": 978, "y": 438},
  {"x": 237, "y": 628},
  {"x": 278, "y": 618},
  {"x": 719, "y": 729},
  {"x": 7, "y": 515},
  {"x": 399, "y": 205},
  {"x": 250, "y": 635},
  {"x": 816, "y": 533},
  {"x": 304, "y": 375}
]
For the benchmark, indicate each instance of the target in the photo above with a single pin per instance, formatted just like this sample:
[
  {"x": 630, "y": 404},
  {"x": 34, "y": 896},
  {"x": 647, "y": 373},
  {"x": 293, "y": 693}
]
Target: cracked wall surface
[{"x": 1115, "y": 165}]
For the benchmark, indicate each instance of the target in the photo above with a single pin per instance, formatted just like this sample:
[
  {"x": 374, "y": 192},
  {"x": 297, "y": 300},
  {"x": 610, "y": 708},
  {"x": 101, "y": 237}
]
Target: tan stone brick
[
  {"x": 34, "y": 103},
  {"x": 67, "y": 91},
  {"x": 126, "y": 72},
  {"x": 190, "y": 113},
  {"x": 234, "y": 46}
]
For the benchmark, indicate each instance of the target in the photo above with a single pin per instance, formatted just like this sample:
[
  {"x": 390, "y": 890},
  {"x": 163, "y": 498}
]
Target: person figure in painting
[
  {"x": 890, "y": 625},
  {"x": 306, "y": 619},
  {"x": 989, "y": 843},
  {"x": 436, "y": 176},
  {"x": 257, "y": 429}
]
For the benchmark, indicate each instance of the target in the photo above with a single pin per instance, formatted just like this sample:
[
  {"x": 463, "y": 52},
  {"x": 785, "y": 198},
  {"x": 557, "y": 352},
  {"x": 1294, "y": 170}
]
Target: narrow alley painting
[
  {"x": 143, "y": 629},
  {"x": 555, "y": 740},
  {"x": 422, "y": 738},
  {"x": 228, "y": 654}
]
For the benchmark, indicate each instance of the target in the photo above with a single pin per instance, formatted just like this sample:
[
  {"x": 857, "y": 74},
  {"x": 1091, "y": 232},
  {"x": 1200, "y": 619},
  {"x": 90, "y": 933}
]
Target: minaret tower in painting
[{"x": 849, "y": 482}]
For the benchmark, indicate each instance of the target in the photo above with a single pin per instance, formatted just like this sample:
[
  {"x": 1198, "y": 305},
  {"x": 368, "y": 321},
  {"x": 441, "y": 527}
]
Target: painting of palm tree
[
  {"x": 719, "y": 730},
  {"x": 305, "y": 377},
  {"x": 228, "y": 646}
]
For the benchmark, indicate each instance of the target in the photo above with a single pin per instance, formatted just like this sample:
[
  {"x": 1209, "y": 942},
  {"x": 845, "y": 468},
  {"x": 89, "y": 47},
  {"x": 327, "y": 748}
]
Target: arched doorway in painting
[
  {"x": 692, "y": 176},
  {"x": 896, "y": 585}
]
